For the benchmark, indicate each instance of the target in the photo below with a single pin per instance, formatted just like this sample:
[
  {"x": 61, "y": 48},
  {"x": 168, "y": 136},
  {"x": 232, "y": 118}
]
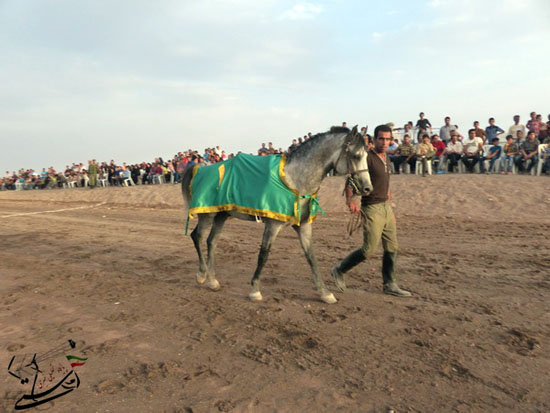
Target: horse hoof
[
  {"x": 201, "y": 278},
  {"x": 214, "y": 285},
  {"x": 329, "y": 298},
  {"x": 256, "y": 296}
]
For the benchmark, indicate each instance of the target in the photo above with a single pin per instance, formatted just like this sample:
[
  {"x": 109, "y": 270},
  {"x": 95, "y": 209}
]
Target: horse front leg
[
  {"x": 304, "y": 233},
  {"x": 211, "y": 243},
  {"x": 271, "y": 230}
]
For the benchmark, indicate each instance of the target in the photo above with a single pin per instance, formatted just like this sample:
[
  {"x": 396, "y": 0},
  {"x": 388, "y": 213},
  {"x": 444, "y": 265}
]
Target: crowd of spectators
[
  {"x": 491, "y": 149},
  {"x": 442, "y": 150},
  {"x": 111, "y": 173}
]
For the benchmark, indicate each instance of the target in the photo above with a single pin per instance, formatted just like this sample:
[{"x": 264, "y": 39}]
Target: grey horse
[{"x": 307, "y": 165}]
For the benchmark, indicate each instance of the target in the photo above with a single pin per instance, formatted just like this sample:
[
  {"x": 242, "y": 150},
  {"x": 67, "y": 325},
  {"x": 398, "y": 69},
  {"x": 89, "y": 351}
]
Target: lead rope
[{"x": 355, "y": 222}]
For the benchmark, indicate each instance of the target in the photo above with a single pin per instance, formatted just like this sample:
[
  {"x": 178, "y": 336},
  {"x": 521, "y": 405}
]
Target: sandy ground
[{"x": 117, "y": 276}]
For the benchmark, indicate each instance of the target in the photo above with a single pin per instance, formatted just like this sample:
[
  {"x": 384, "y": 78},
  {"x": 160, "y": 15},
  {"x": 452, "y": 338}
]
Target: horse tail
[{"x": 186, "y": 184}]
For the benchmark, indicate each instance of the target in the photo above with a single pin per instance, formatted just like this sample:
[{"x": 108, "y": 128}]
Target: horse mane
[{"x": 313, "y": 140}]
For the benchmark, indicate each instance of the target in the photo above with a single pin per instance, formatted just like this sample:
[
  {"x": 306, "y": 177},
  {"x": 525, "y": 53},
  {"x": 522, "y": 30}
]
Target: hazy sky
[{"x": 131, "y": 80}]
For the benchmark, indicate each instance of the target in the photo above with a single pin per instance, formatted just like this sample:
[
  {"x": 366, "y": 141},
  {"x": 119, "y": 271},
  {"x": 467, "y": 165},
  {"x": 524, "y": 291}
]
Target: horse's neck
[{"x": 305, "y": 171}]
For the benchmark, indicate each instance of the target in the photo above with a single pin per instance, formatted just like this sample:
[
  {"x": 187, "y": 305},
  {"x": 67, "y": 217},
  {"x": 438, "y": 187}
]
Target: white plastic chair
[
  {"x": 542, "y": 147},
  {"x": 419, "y": 166}
]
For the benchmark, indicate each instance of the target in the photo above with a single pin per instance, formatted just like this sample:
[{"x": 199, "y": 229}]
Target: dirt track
[{"x": 119, "y": 279}]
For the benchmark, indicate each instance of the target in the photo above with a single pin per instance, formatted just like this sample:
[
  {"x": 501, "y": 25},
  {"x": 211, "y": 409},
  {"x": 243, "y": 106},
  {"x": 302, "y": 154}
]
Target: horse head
[{"x": 352, "y": 162}]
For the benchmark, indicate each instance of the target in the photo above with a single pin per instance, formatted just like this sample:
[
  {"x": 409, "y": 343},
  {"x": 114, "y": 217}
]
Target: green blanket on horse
[{"x": 249, "y": 184}]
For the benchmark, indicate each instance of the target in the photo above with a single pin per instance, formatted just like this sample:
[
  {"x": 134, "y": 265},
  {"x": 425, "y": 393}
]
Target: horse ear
[{"x": 354, "y": 131}]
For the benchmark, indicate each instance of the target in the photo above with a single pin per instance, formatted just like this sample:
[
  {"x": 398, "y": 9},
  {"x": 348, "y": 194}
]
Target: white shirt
[
  {"x": 472, "y": 145},
  {"x": 455, "y": 147},
  {"x": 513, "y": 130}
]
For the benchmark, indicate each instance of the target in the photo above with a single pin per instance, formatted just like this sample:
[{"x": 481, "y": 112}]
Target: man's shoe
[
  {"x": 392, "y": 289},
  {"x": 339, "y": 278}
]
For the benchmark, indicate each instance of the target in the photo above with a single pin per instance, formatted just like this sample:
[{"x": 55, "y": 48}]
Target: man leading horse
[{"x": 378, "y": 220}]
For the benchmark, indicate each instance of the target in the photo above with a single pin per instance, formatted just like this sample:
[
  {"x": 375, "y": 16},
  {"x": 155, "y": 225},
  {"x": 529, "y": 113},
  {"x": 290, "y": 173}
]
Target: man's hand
[{"x": 354, "y": 207}]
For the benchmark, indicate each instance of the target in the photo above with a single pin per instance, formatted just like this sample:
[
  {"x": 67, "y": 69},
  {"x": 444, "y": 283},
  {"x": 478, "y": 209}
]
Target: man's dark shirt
[
  {"x": 423, "y": 123},
  {"x": 380, "y": 179}
]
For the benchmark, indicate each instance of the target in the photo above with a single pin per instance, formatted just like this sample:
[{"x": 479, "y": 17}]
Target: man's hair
[
  {"x": 421, "y": 113},
  {"x": 509, "y": 137},
  {"x": 490, "y": 119},
  {"x": 381, "y": 128},
  {"x": 425, "y": 136},
  {"x": 494, "y": 140},
  {"x": 471, "y": 130},
  {"x": 406, "y": 136},
  {"x": 447, "y": 117},
  {"x": 516, "y": 116},
  {"x": 476, "y": 121}
]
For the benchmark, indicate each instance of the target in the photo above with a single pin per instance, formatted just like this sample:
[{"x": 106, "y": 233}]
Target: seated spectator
[
  {"x": 405, "y": 153},
  {"x": 392, "y": 150},
  {"x": 453, "y": 152},
  {"x": 425, "y": 153},
  {"x": 473, "y": 146},
  {"x": 494, "y": 154},
  {"x": 546, "y": 159},
  {"x": 439, "y": 147},
  {"x": 528, "y": 153},
  {"x": 510, "y": 151}
]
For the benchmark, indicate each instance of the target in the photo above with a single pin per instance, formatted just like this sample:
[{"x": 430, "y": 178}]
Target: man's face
[
  {"x": 406, "y": 140},
  {"x": 531, "y": 136},
  {"x": 476, "y": 125},
  {"x": 421, "y": 116},
  {"x": 425, "y": 140},
  {"x": 491, "y": 122},
  {"x": 516, "y": 119},
  {"x": 453, "y": 138},
  {"x": 382, "y": 142},
  {"x": 520, "y": 134},
  {"x": 471, "y": 135},
  {"x": 447, "y": 121}
]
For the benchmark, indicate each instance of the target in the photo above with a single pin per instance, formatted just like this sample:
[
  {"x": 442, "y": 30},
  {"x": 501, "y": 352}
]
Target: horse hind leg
[
  {"x": 212, "y": 242},
  {"x": 271, "y": 230},
  {"x": 205, "y": 220}
]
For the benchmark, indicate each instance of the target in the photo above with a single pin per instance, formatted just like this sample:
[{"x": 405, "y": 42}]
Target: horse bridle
[{"x": 351, "y": 174}]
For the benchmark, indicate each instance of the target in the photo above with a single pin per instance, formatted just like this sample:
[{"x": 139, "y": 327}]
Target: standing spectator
[
  {"x": 533, "y": 124},
  {"x": 263, "y": 149},
  {"x": 544, "y": 132},
  {"x": 515, "y": 128},
  {"x": 492, "y": 130},
  {"x": 453, "y": 152},
  {"x": 479, "y": 132},
  {"x": 423, "y": 125},
  {"x": 405, "y": 153},
  {"x": 92, "y": 173},
  {"x": 528, "y": 152},
  {"x": 473, "y": 146},
  {"x": 445, "y": 130},
  {"x": 510, "y": 150}
]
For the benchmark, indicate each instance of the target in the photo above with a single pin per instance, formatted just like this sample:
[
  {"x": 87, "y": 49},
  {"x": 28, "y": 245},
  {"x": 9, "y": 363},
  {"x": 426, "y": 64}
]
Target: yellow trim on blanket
[
  {"x": 282, "y": 175},
  {"x": 243, "y": 210}
]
